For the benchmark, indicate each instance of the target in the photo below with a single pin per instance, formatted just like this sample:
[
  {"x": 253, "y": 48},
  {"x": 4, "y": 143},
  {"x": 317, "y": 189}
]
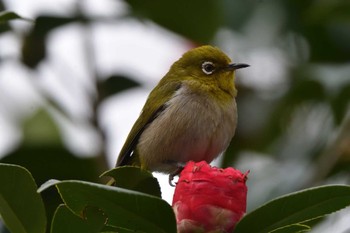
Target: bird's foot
[{"x": 175, "y": 173}]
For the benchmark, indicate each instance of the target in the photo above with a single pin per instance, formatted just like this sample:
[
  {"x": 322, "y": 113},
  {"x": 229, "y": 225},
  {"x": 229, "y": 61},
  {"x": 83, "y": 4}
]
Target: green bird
[{"x": 190, "y": 115}]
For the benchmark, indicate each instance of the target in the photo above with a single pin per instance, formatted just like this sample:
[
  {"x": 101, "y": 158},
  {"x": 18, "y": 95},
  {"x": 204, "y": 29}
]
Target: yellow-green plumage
[{"x": 190, "y": 115}]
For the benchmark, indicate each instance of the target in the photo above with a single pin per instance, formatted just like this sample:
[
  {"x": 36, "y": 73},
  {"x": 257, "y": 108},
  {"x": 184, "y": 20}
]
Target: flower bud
[{"x": 209, "y": 199}]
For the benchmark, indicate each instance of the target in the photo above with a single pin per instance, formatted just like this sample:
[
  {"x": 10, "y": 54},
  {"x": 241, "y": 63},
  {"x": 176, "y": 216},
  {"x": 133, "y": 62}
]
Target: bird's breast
[{"x": 194, "y": 126}]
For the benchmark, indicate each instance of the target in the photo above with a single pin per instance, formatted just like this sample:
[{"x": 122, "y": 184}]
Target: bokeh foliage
[{"x": 302, "y": 133}]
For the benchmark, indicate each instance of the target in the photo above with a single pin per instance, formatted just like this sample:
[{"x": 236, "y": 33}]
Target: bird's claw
[
  {"x": 172, "y": 175},
  {"x": 171, "y": 183}
]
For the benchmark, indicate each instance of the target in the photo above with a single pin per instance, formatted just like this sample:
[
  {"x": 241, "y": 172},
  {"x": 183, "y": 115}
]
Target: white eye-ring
[{"x": 208, "y": 67}]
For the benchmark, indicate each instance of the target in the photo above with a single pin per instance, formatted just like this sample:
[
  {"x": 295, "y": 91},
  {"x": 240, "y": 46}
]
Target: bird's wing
[{"x": 154, "y": 106}]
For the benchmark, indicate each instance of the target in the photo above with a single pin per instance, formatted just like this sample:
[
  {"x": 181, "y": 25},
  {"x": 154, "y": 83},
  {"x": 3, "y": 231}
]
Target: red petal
[{"x": 204, "y": 191}]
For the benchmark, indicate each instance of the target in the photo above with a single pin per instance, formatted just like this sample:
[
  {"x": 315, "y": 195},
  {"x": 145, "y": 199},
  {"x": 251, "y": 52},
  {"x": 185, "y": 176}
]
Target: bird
[{"x": 191, "y": 114}]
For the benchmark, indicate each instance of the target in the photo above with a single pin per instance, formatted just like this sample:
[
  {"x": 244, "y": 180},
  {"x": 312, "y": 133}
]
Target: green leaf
[
  {"x": 65, "y": 221},
  {"x": 124, "y": 208},
  {"x": 115, "y": 84},
  {"x": 49, "y": 161},
  {"x": 295, "y": 208},
  {"x": 41, "y": 129},
  {"x": 196, "y": 19},
  {"x": 47, "y": 185},
  {"x": 295, "y": 228},
  {"x": 136, "y": 179},
  {"x": 8, "y": 15},
  {"x": 34, "y": 43},
  {"x": 46, "y": 23},
  {"x": 21, "y": 207}
]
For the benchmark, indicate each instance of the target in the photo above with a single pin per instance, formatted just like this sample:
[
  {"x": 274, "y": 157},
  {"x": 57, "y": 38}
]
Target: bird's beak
[{"x": 235, "y": 66}]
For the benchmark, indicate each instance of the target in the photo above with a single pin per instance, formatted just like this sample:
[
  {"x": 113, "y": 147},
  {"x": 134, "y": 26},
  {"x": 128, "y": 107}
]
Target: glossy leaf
[
  {"x": 65, "y": 221},
  {"x": 46, "y": 162},
  {"x": 295, "y": 228},
  {"x": 123, "y": 208},
  {"x": 136, "y": 179},
  {"x": 21, "y": 207},
  {"x": 44, "y": 155},
  {"x": 57, "y": 162},
  {"x": 295, "y": 208}
]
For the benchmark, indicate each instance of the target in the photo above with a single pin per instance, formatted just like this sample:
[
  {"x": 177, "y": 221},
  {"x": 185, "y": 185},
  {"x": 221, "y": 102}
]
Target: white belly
[{"x": 192, "y": 127}]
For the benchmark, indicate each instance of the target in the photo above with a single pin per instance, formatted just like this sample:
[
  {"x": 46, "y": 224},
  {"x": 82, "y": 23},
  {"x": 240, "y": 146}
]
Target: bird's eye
[{"x": 208, "y": 67}]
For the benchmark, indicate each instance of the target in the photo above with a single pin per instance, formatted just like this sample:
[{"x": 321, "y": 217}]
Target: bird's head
[{"x": 207, "y": 66}]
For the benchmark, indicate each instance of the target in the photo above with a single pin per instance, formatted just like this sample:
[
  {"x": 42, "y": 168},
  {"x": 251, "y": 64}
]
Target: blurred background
[{"x": 75, "y": 75}]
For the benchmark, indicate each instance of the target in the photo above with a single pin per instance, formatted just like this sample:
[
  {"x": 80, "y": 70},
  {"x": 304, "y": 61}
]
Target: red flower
[{"x": 209, "y": 199}]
